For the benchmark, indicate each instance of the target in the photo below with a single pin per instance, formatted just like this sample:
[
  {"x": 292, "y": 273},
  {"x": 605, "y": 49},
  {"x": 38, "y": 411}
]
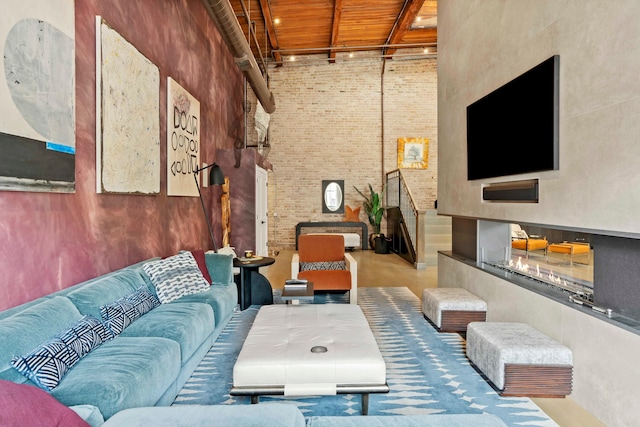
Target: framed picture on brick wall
[{"x": 413, "y": 153}]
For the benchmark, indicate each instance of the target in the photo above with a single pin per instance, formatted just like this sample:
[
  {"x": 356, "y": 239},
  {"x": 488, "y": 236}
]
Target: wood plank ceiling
[{"x": 307, "y": 31}]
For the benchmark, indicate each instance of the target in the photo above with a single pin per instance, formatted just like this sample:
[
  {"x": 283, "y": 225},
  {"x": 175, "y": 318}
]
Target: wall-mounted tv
[{"x": 514, "y": 129}]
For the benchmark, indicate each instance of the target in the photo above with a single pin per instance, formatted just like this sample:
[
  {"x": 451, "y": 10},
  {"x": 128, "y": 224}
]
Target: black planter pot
[{"x": 381, "y": 244}]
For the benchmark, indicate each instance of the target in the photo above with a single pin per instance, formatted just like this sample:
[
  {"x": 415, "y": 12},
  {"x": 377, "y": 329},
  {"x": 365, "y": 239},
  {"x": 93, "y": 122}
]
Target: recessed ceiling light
[
  {"x": 276, "y": 21},
  {"x": 426, "y": 50},
  {"x": 292, "y": 58},
  {"x": 350, "y": 54}
]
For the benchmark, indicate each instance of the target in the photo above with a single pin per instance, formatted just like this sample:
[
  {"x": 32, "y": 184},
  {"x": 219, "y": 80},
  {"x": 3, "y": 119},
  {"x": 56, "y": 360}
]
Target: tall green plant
[{"x": 373, "y": 207}]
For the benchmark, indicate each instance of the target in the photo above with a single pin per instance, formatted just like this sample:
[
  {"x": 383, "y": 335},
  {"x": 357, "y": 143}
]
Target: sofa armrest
[
  {"x": 220, "y": 267},
  {"x": 295, "y": 266},
  {"x": 352, "y": 266}
]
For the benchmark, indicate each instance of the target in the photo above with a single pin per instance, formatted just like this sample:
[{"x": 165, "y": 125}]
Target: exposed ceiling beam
[
  {"x": 337, "y": 15},
  {"x": 408, "y": 14},
  {"x": 271, "y": 30}
]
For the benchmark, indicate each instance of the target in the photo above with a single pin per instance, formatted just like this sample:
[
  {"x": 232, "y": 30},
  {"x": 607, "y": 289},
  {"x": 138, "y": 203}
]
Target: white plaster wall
[
  {"x": 606, "y": 373},
  {"x": 483, "y": 44}
]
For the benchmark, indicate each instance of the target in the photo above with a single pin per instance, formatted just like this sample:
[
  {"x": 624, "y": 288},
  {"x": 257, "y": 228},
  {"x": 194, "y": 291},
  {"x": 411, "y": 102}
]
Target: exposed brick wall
[{"x": 328, "y": 124}]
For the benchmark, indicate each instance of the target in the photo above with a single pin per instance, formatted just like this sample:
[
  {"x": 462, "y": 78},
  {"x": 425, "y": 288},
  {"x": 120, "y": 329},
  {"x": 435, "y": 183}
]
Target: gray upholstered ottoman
[
  {"x": 451, "y": 309},
  {"x": 519, "y": 360}
]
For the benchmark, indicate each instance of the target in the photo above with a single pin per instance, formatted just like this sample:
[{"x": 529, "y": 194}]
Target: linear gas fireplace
[
  {"x": 544, "y": 274},
  {"x": 588, "y": 269}
]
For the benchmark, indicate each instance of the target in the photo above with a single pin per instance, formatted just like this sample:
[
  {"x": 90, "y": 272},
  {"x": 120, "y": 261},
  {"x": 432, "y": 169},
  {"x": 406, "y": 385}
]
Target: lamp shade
[{"x": 216, "y": 176}]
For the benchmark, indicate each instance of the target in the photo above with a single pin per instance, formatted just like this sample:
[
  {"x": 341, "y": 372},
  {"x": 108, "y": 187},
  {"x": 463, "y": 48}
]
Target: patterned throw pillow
[
  {"x": 143, "y": 300},
  {"x": 85, "y": 335},
  {"x": 123, "y": 312},
  {"x": 175, "y": 277},
  {"x": 118, "y": 315},
  {"x": 323, "y": 265},
  {"x": 47, "y": 364}
]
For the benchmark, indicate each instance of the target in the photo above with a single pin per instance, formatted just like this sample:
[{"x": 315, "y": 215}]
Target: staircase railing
[{"x": 399, "y": 196}]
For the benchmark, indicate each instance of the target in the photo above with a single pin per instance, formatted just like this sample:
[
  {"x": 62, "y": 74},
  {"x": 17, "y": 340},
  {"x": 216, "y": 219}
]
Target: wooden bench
[
  {"x": 519, "y": 360},
  {"x": 451, "y": 309}
]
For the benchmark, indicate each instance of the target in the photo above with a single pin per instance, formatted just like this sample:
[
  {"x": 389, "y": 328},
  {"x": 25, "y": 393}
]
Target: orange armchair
[{"x": 321, "y": 260}]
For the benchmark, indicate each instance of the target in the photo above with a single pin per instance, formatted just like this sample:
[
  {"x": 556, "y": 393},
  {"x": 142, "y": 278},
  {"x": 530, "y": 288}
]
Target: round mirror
[{"x": 332, "y": 197}]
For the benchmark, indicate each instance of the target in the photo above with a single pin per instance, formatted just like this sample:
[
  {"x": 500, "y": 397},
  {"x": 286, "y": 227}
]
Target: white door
[{"x": 262, "y": 226}]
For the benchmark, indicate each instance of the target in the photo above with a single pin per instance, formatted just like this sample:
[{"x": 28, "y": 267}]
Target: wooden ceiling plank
[
  {"x": 337, "y": 15},
  {"x": 271, "y": 30},
  {"x": 403, "y": 24}
]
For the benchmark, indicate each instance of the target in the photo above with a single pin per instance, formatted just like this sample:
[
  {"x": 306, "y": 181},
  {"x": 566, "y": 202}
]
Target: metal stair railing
[{"x": 398, "y": 195}]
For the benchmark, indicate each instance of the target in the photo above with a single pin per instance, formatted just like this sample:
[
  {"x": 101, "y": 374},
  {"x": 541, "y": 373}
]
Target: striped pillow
[
  {"x": 323, "y": 265},
  {"x": 175, "y": 277}
]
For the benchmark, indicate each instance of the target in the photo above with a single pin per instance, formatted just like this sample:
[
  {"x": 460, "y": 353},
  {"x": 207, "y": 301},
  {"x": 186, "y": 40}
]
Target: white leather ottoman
[
  {"x": 519, "y": 360},
  {"x": 451, "y": 309},
  {"x": 306, "y": 350}
]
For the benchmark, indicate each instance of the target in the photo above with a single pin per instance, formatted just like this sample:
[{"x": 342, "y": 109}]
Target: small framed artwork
[{"x": 413, "y": 153}]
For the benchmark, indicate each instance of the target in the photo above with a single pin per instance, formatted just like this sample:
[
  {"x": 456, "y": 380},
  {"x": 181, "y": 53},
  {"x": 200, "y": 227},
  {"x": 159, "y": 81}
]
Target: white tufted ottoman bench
[
  {"x": 451, "y": 309},
  {"x": 307, "y": 350},
  {"x": 519, "y": 360}
]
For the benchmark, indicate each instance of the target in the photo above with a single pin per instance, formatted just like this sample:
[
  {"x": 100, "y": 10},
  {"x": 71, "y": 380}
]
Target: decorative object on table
[
  {"x": 351, "y": 215},
  {"x": 248, "y": 254},
  {"x": 216, "y": 177},
  {"x": 374, "y": 210},
  {"x": 413, "y": 153},
  {"x": 332, "y": 196}
]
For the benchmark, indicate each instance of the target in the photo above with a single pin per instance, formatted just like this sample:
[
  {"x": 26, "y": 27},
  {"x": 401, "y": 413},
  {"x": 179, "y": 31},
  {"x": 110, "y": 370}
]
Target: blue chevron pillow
[
  {"x": 123, "y": 312},
  {"x": 47, "y": 364},
  {"x": 118, "y": 315},
  {"x": 85, "y": 335}
]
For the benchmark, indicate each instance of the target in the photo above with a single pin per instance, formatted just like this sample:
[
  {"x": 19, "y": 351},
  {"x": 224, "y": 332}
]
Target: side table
[
  {"x": 294, "y": 293},
  {"x": 253, "y": 287}
]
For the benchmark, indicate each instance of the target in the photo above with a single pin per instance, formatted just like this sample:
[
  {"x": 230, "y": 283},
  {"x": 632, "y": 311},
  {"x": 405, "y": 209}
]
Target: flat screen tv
[{"x": 514, "y": 129}]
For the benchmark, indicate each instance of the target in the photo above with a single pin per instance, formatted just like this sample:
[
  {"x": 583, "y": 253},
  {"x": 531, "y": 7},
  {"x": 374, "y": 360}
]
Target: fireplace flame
[{"x": 550, "y": 276}]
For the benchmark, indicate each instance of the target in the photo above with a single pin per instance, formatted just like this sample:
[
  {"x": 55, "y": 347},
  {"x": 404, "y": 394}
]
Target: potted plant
[{"x": 373, "y": 208}]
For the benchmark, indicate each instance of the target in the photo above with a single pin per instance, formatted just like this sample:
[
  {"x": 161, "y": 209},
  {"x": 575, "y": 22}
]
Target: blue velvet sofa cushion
[
  {"x": 89, "y": 298},
  {"x": 188, "y": 324},
  {"x": 27, "y": 329},
  {"x": 220, "y": 267},
  {"x": 262, "y": 415},
  {"x": 221, "y": 298},
  {"x": 122, "y": 373}
]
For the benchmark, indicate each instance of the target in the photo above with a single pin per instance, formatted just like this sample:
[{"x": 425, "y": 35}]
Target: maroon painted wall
[{"x": 52, "y": 241}]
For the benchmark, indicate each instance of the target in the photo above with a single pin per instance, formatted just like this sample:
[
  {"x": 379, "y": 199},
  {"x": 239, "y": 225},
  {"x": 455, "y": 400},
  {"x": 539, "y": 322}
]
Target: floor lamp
[{"x": 216, "y": 177}]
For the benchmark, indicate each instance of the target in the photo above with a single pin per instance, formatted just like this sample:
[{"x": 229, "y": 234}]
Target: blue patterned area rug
[{"x": 427, "y": 372}]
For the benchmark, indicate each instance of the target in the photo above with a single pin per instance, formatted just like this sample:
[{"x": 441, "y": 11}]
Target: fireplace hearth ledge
[{"x": 559, "y": 296}]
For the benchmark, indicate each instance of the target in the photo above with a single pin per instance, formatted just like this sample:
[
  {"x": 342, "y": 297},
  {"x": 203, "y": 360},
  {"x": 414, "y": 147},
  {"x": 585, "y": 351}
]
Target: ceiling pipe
[{"x": 225, "y": 18}]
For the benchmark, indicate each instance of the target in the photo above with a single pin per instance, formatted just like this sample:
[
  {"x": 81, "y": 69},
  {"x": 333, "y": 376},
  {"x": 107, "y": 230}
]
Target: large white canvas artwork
[
  {"x": 37, "y": 96},
  {"x": 183, "y": 140},
  {"x": 127, "y": 116}
]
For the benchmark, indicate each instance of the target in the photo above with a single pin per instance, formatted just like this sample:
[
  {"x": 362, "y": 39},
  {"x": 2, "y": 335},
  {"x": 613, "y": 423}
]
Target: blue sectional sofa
[
  {"x": 148, "y": 362},
  {"x": 130, "y": 378}
]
